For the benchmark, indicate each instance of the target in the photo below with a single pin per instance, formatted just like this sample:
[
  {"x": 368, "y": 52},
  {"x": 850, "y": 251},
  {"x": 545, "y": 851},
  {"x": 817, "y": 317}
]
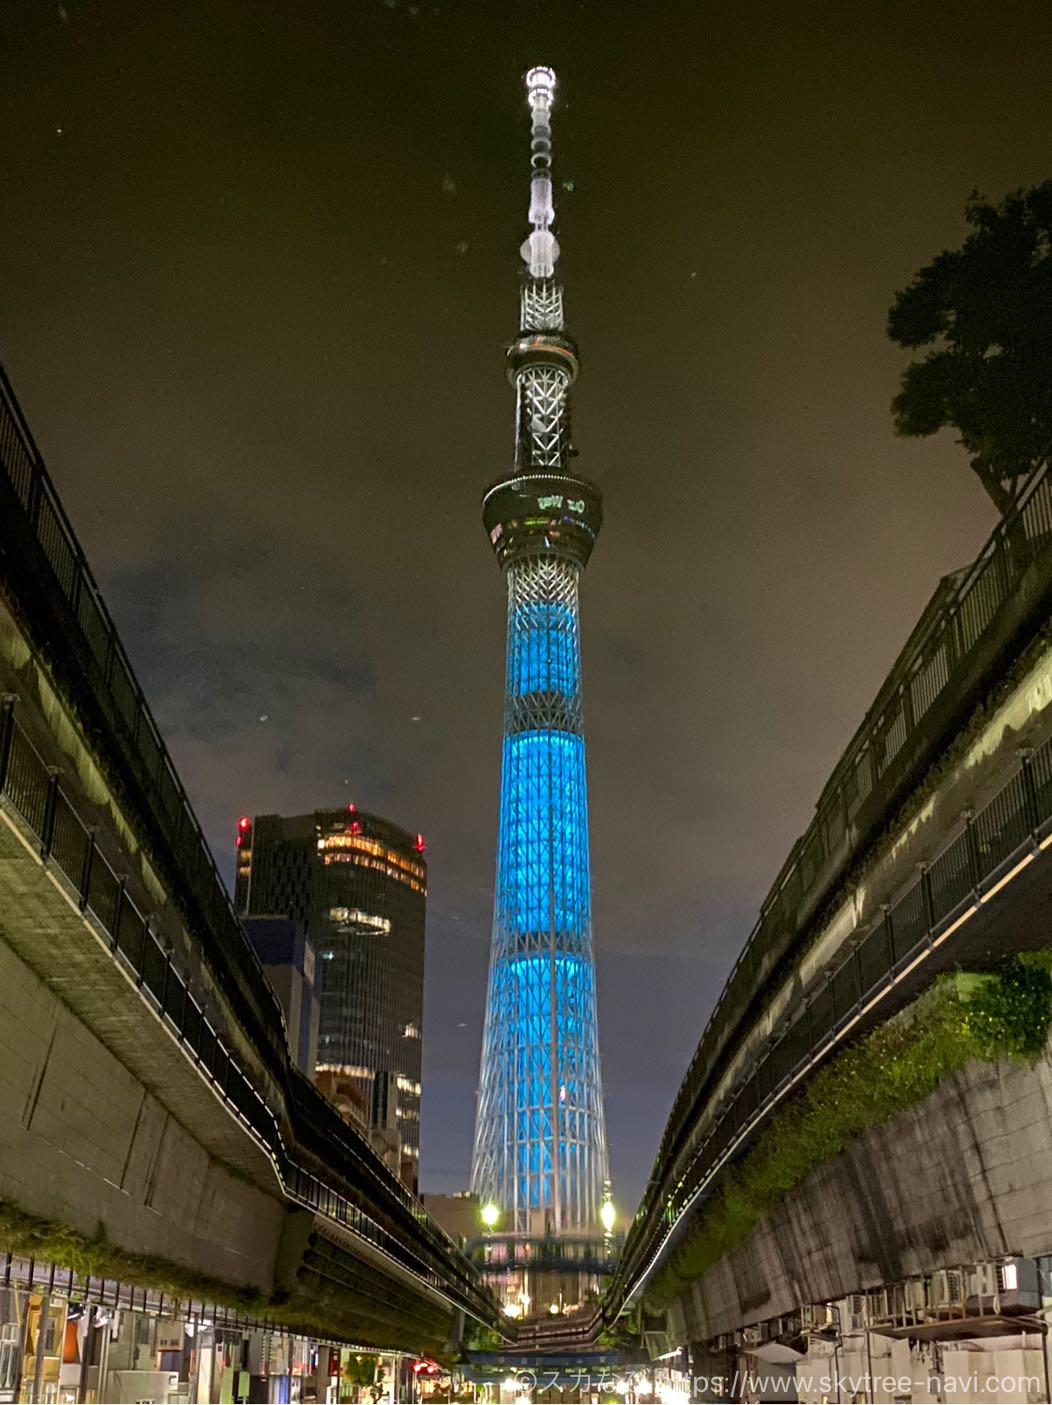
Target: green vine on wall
[
  {"x": 327, "y": 1313},
  {"x": 964, "y": 1018}
]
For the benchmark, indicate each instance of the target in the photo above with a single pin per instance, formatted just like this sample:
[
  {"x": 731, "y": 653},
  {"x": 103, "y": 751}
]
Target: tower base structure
[{"x": 545, "y": 1277}]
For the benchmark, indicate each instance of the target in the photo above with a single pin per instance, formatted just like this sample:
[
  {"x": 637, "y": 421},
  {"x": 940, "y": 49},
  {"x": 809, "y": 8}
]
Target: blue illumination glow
[
  {"x": 543, "y": 881},
  {"x": 540, "y": 1138},
  {"x": 543, "y": 656},
  {"x": 525, "y": 988}
]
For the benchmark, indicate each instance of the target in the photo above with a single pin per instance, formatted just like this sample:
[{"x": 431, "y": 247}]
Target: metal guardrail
[
  {"x": 36, "y": 793},
  {"x": 871, "y": 775},
  {"x": 1000, "y": 838},
  {"x": 108, "y": 673},
  {"x": 67, "y": 846},
  {"x": 36, "y": 1276}
]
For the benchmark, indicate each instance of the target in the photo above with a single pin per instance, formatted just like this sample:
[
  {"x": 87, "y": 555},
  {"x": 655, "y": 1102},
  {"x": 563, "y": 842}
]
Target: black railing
[
  {"x": 84, "y": 637},
  {"x": 1004, "y": 835},
  {"x": 59, "y": 1280},
  {"x": 939, "y": 675},
  {"x": 67, "y": 846}
]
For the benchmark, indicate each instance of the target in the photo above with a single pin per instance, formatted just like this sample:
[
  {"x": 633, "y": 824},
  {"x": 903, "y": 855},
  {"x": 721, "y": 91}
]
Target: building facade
[
  {"x": 288, "y": 959},
  {"x": 359, "y": 885},
  {"x": 540, "y": 1157}
]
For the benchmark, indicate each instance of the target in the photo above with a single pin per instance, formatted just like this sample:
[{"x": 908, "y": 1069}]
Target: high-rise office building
[
  {"x": 359, "y": 884},
  {"x": 540, "y": 1157},
  {"x": 288, "y": 959}
]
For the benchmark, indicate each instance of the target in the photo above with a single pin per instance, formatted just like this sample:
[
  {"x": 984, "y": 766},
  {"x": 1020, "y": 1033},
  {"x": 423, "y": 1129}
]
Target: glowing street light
[
  {"x": 490, "y": 1214},
  {"x": 608, "y": 1215}
]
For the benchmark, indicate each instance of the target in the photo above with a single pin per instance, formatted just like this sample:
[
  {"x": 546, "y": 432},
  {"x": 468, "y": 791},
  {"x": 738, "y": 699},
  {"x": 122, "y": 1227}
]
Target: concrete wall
[
  {"x": 964, "y": 1176},
  {"x": 82, "y": 1141}
]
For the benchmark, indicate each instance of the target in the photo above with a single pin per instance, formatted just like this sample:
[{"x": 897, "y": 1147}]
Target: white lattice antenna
[{"x": 541, "y": 248}]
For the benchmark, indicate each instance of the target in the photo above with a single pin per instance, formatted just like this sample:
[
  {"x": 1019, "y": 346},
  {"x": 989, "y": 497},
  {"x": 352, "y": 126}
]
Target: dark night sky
[{"x": 258, "y": 264}]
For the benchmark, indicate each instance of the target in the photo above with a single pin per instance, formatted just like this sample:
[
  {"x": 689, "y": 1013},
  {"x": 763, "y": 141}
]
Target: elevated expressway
[
  {"x": 154, "y": 1134},
  {"x": 930, "y": 850}
]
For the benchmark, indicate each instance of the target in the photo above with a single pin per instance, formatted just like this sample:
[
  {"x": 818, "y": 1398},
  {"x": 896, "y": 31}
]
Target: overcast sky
[{"x": 258, "y": 265}]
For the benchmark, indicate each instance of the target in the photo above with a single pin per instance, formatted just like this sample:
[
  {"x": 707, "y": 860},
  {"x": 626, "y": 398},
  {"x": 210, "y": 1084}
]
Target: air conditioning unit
[
  {"x": 1009, "y": 1286},
  {"x": 819, "y": 1317},
  {"x": 947, "y": 1290},
  {"x": 877, "y": 1306}
]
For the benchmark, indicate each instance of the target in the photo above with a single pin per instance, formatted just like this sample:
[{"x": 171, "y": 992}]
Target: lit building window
[{"x": 355, "y": 917}]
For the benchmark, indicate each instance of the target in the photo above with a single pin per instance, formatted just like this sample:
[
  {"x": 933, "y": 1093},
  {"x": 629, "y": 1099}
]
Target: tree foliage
[{"x": 985, "y": 309}]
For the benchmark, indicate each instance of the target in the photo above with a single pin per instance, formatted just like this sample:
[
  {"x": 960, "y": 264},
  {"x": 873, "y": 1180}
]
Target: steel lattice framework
[{"x": 540, "y": 1139}]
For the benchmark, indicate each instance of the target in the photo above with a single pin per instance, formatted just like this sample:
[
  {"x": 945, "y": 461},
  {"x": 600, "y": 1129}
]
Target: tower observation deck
[{"x": 540, "y": 1157}]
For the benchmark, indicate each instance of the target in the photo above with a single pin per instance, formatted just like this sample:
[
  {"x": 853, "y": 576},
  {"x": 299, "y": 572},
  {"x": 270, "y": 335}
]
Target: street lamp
[{"x": 490, "y": 1214}]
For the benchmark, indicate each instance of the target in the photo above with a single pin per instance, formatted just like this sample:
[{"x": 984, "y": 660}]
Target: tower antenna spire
[
  {"x": 542, "y": 297},
  {"x": 541, "y": 248}
]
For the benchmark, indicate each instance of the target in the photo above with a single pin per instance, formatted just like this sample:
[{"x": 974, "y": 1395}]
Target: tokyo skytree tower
[{"x": 540, "y": 1157}]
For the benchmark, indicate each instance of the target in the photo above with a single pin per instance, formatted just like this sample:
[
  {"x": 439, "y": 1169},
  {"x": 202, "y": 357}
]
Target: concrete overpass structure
[
  {"x": 154, "y": 1132},
  {"x": 930, "y": 852}
]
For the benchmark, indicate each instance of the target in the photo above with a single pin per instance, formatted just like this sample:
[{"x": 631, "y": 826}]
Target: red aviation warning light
[{"x": 420, "y": 846}]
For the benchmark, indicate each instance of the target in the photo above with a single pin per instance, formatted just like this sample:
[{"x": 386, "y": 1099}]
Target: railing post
[
  {"x": 47, "y": 828},
  {"x": 929, "y": 906},
  {"x": 856, "y": 970},
  {"x": 164, "y": 981},
  {"x": 140, "y": 971},
  {"x": 972, "y": 845},
  {"x": 7, "y": 734},
  {"x": 85, "y": 870},
  {"x": 908, "y": 719},
  {"x": 951, "y": 634},
  {"x": 889, "y": 936},
  {"x": 1033, "y": 813},
  {"x": 36, "y": 485},
  {"x": 1004, "y": 568},
  {"x": 122, "y": 883}
]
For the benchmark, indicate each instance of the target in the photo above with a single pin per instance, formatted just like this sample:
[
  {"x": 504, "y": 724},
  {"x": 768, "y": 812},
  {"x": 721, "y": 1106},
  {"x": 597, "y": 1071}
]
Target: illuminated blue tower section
[{"x": 540, "y": 1140}]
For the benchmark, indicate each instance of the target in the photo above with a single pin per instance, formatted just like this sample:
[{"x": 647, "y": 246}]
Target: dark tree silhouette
[{"x": 986, "y": 309}]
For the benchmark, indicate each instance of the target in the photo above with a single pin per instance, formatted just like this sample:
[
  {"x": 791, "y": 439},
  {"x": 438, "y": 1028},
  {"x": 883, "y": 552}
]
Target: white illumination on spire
[{"x": 541, "y": 248}]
